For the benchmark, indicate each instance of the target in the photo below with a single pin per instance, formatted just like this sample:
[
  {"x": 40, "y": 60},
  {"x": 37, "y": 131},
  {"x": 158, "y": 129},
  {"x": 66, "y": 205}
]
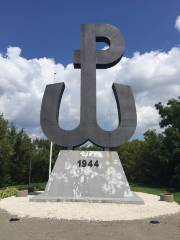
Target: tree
[
  {"x": 170, "y": 121},
  {"x": 41, "y": 160},
  {"x": 170, "y": 114},
  {"x": 130, "y": 155},
  {"x": 6, "y": 151},
  {"x": 40, "y": 167},
  {"x": 23, "y": 155},
  {"x": 156, "y": 159},
  {"x": 153, "y": 163}
]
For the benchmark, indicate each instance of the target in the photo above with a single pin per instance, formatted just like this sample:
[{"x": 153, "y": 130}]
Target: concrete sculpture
[
  {"x": 88, "y": 59},
  {"x": 90, "y": 176}
]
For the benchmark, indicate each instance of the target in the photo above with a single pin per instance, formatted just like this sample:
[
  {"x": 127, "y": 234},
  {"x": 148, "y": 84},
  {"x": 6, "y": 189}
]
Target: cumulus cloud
[
  {"x": 154, "y": 76},
  {"x": 177, "y": 23}
]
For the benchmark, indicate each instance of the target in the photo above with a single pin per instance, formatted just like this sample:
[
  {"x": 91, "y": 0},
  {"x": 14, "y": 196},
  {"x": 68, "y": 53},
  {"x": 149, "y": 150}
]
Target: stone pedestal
[
  {"x": 167, "y": 197},
  {"x": 22, "y": 193},
  {"x": 91, "y": 176}
]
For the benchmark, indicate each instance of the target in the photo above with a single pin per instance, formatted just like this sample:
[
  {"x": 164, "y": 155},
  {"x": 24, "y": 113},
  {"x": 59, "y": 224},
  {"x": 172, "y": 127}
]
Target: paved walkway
[
  {"x": 44, "y": 229},
  {"x": 22, "y": 207}
]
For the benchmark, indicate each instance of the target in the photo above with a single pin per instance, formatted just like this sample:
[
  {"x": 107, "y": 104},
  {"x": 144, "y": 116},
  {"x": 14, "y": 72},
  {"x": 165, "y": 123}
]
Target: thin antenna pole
[{"x": 50, "y": 159}]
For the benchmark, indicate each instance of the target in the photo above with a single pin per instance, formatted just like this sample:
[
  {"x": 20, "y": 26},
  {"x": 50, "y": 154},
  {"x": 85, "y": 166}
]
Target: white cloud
[
  {"x": 153, "y": 76},
  {"x": 177, "y": 23}
]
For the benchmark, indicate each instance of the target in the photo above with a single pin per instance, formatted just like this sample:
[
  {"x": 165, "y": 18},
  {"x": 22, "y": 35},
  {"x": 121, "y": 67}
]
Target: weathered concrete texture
[
  {"x": 89, "y": 59},
  {"x": 104, "y": 183}
]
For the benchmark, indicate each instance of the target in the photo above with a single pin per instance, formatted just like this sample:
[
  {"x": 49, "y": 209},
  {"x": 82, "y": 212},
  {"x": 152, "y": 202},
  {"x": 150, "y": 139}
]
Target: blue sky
[
  {"x": 51, "y": 28},
  {"x": 38, "y": 37}
]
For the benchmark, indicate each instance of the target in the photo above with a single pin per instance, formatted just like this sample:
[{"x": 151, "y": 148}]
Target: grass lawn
[{"x": 155, "y": 190}]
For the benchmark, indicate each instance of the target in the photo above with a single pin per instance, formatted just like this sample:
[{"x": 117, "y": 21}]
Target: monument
[{"x": 90, "y": 175}]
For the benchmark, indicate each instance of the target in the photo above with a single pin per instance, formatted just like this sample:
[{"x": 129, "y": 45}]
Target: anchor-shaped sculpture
[{"x": 88, "y": 59}]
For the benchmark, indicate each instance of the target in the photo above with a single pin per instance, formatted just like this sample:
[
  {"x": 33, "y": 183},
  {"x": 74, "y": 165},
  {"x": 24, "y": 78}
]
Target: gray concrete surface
[
  {"x": 40, "y": 229},
  {"x": 93, "y": 176},
  {"x": 88, "y": 59}
]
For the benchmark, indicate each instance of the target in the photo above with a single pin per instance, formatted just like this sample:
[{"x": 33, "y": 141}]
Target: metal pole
[
  {"x": 50, "y": 158},
  {"x": 30, "y": 166}
]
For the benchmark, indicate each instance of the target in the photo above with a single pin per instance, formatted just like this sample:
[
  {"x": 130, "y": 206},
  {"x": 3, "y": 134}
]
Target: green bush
[
  {"x": 36, "y": 187},
  {"x": 8, "y": 192},
  {"x": 32, "y": 187},
  {"x": 11, "y": 190}
]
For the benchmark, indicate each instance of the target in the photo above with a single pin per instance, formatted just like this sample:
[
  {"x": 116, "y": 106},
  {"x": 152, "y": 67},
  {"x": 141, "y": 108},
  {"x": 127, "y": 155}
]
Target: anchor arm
[
  {"x": 127, "y": 120},
  {"x": 49, "y": 119}
]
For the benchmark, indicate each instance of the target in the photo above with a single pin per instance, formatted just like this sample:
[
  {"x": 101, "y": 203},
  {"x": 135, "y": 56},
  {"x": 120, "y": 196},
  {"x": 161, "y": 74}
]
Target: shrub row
[{"x": 11, "y": 191}]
